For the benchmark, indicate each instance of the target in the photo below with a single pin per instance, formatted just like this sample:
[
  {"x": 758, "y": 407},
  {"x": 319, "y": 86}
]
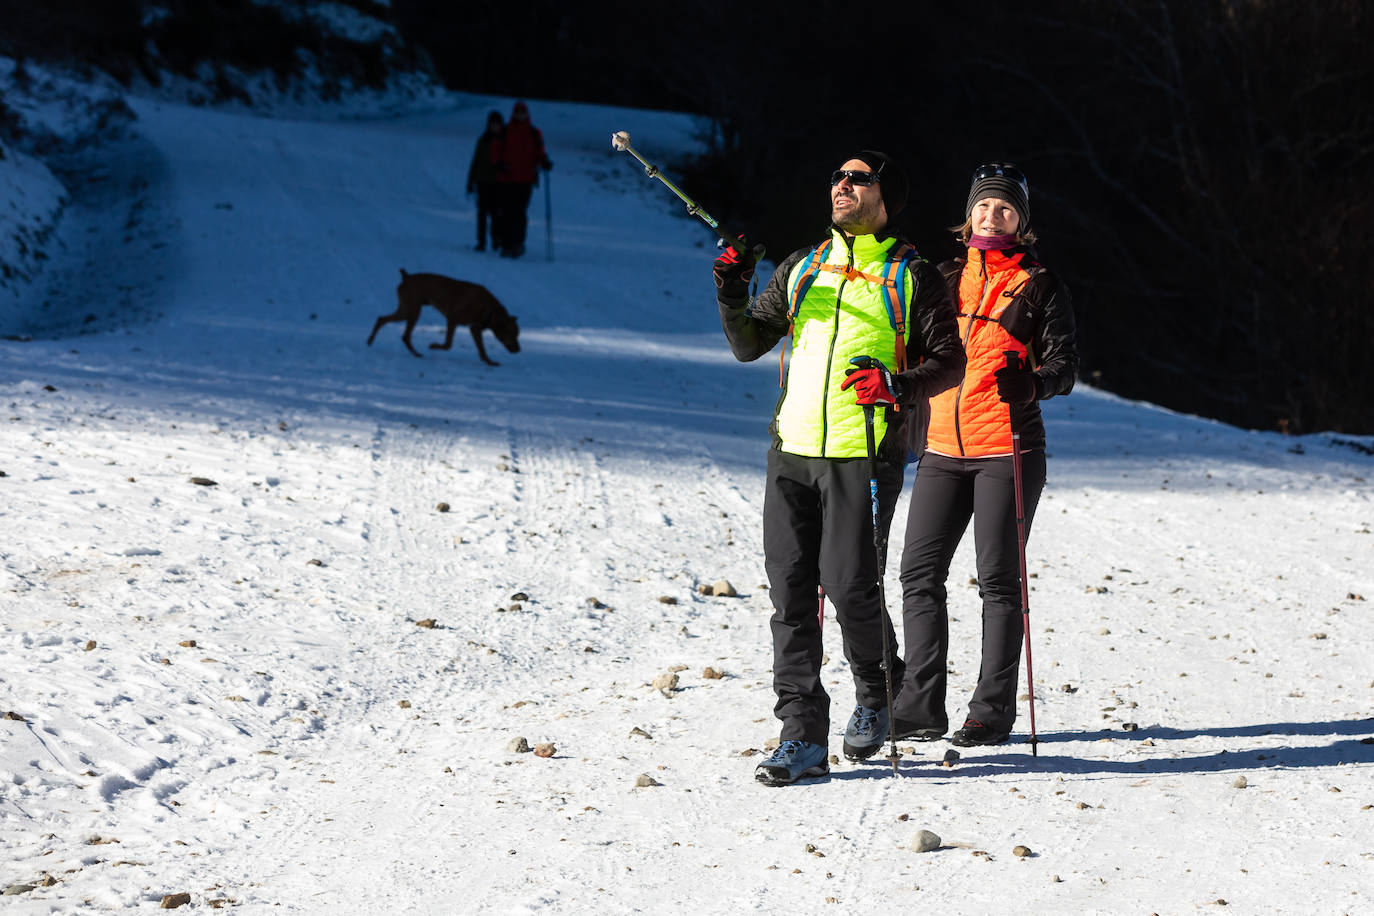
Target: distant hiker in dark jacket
[
  {"x": 817, "y": 511},
  {"x": 482, "y": 181},
  {"x": 518, "y": 155},
  {"x": 1007, "y": 302}
]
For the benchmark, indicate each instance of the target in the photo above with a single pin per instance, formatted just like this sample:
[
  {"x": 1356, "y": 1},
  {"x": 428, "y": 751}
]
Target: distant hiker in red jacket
[
  {"x": 518, "y": 155},
  {"x": 482, "y": 181}
]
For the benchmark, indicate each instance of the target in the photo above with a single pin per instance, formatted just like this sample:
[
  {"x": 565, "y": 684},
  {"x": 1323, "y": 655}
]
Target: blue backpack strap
[
  {"x": 801, "y": 285},
  {"x": 895, "y": 271},
  {"x": 810, "y": 269}
]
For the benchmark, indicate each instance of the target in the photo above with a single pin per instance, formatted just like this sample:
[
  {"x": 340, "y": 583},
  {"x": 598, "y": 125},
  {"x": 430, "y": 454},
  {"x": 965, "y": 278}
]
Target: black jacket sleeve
[
  {"x": 1055, "y": 346},
  {"x": 935, "y": 356},
  {"x": 755, "y": 327}
]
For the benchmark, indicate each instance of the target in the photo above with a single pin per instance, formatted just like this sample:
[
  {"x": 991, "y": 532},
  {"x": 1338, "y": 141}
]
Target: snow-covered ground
[{"x": 227, "y": 691}]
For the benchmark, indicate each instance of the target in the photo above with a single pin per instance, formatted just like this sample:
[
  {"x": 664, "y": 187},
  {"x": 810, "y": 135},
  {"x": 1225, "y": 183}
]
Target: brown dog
[{"x": 458, "y": 301}]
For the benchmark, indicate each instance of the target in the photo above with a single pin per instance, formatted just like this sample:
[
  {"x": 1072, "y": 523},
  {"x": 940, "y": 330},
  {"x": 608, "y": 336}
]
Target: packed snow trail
[{"x": 226, "y": 690}]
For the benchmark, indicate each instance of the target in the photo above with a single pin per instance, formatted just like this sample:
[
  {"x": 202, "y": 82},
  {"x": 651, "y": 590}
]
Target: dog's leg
[
  {"x": 481, "y": 350},
  {"x": 394, "y": 316},
  {"x": 405, "y": 335},
  {"x": 448, "y": 337}
]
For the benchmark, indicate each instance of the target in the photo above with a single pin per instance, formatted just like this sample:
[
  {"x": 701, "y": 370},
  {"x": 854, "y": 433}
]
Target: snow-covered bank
[{"x": 223, "y": 690}]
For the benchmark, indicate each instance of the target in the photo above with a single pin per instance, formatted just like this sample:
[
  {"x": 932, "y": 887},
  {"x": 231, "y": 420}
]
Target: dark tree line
[{"x": 1201, "y": 170}]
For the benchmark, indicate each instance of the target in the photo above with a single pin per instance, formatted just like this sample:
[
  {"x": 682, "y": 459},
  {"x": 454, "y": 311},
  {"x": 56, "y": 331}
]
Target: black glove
[
  {"x": 873, "y": 383},
  {"x": 1016, "y": 382},
  {"x": 734, "y": 270}
]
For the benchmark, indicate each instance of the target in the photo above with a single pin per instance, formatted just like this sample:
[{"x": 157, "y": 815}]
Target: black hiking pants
[
  {"x": 946, "y": 494},
  {"x": 488, "y": 210},
  {"x": 513, "y": 215},
  {"x": 818, "y": 528}
]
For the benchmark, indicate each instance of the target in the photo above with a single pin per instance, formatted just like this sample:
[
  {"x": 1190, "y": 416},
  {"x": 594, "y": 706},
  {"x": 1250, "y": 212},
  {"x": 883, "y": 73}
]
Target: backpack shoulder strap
[
  {"x": 896, "y": 269},
  {"x": 801, "y": 283}
]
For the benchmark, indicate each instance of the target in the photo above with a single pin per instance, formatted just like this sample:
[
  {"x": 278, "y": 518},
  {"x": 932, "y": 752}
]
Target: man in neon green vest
[{"x": 862, "y": 293}]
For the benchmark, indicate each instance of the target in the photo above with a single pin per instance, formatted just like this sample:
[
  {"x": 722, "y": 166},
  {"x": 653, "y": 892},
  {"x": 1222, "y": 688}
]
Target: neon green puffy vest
[{"x": 841, "y": 317}]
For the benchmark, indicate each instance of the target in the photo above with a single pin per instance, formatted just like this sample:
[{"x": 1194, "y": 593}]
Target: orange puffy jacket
[{"x": 1007, "y": 302}]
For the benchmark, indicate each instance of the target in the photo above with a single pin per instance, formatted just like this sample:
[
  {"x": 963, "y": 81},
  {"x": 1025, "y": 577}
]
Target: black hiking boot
[
  {"x": 904, "y": 731},
  {"x": 976, "y": 733}
]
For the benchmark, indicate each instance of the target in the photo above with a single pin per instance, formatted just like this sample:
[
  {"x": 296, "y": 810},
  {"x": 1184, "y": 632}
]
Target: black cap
[
  {"x": 1002, "y": 180},
  {"x": 892, "y": 183}
]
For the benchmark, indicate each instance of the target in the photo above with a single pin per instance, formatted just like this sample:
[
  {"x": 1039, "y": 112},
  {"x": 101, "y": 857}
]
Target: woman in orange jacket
[{"x": 1008, "y": 303}]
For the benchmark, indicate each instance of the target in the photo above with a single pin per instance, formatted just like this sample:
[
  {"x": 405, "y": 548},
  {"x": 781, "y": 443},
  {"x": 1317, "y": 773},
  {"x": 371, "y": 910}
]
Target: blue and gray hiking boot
[
  {"x": 793, "y": 760},
  {"x": 866, "y": 732}
]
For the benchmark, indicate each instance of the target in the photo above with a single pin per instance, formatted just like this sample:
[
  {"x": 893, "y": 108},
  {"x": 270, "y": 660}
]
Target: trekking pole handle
[
  {"x": 620, "y": 141},
  {"x": 1013, "y": 359}
]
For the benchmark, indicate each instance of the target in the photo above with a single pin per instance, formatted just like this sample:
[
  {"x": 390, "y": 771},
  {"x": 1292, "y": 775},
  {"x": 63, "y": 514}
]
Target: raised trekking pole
[
  {"x": 620, "y": 140},
  {"x": 1014, "y": 363},
  {"x": 548, "y": 219},
  {"x": 892, "y": 756}
]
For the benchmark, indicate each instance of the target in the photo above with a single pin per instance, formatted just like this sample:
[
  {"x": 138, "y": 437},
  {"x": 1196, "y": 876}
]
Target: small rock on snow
[
  {"x": 925, "y": 841},
  {"x": 518, "y": 746},
  {"x": 638, "y": 732},
  {"x": 712, "y": 674},
  {"x": 172, "y": 901},
  {"x": 204, "y": 482},
  {"x": 1021, "y": 852},
  {"x": 723, "y": 589},
  {"x": 1240, "y": 783},
  {"x": 544, "y": 750},
  {"x": 644, "y": 781}
]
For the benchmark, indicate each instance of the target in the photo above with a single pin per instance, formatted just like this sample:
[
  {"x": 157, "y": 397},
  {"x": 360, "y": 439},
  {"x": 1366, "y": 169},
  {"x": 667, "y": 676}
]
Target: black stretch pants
[
  {"x": 488, "y": 209},
  {"x": 818, "y": 527},
  {"x": 513, "y": 216},
  {"x": 946, "y": 494}
]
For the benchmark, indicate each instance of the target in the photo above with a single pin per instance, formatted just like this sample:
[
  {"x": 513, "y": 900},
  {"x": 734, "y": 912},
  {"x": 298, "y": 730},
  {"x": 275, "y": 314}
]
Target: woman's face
[{"x": 994, "y": 216}]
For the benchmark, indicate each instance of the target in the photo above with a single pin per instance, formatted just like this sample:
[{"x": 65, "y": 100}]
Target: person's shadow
[{"x": 1352, "y": 742}]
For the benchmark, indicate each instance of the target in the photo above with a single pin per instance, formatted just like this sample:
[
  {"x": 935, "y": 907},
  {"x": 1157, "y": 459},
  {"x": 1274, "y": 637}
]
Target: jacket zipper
[
  {"x": 830, "y": 355},
  {"x": 968, "y": 332}
]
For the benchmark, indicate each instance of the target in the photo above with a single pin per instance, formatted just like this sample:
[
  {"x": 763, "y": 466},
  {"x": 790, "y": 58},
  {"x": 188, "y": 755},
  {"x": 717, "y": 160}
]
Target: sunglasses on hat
[
  {"x": 997, "y": 169},
  {"x": 855, "y": 177}
]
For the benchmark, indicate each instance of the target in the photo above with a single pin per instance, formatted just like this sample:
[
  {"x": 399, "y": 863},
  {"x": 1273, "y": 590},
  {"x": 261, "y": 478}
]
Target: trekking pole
[
  {"x": 820, "y": 606},
  {"x": 548, "y": 219},
  {"x": 892, "y": 756},
  {"x": 620, "y": 140},
  {"x": 1014, "y": 363}
]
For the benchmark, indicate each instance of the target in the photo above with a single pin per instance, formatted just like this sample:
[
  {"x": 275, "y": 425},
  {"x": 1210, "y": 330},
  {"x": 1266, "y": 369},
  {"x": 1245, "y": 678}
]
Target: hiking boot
[
  {"x": 793, "y": 760},
  {"x": 904, "y": 731},
  {"x": 976, "y": 733},
  {"x": 865, "y": 733}
]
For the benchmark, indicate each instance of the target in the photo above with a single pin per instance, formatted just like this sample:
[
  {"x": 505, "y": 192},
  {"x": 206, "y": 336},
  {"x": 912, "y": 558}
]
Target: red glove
[
  {"x": 733, "y": 271},
  {"x": 872, "y": 382}
]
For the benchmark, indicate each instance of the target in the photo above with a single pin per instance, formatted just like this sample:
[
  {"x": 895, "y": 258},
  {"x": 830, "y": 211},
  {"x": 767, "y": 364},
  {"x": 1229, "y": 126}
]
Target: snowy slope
[{"x": 222, "y": 690}]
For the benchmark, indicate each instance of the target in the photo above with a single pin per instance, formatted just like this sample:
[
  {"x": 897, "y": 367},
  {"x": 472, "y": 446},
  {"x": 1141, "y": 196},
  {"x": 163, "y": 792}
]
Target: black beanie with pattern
[{"x": 1000, "y": 184}]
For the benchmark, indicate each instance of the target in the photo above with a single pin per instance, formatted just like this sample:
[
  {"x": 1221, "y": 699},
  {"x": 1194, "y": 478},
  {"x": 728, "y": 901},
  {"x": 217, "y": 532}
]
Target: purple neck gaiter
[{"x": 992, "y": 242}]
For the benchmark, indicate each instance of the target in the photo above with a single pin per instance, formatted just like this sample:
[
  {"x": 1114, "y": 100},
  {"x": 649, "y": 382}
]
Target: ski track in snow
[{"x": 315, "y": 750}]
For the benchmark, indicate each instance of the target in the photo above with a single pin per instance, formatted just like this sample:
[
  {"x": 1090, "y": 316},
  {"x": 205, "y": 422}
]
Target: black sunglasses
[
  {"x": 1010, "y": 172},
  {"x": 856, "y": 177}
]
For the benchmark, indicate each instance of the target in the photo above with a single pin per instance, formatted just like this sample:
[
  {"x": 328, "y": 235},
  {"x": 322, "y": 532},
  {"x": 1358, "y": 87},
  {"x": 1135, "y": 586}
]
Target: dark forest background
[{"x": 1202, "y": 171}]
